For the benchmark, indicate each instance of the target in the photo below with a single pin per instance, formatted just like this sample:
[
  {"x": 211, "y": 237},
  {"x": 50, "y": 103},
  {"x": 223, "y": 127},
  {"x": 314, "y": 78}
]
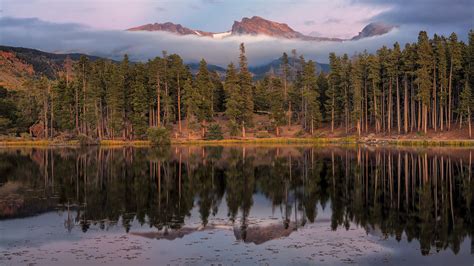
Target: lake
[{"x": 238, "y": 205}]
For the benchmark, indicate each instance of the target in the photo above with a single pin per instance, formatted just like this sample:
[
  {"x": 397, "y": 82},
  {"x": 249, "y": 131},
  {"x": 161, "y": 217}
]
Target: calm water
[{"x": 237, "y": 205}]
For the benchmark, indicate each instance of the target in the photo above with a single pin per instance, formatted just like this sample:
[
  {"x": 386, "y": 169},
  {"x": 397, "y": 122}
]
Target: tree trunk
[
  {"x": 332, "y": 115},
  {"x": 398, "y": 107},
  {"x": 377, "y": 122},
  {"x": 179, "y": 106},
  {"x": 449, "y": 95},
  {"x": 405, "y": 111},
  {"x": 158, "y": 100},
  {"x": 389, "y": 113},
  {"x": 469, "y": 121},
  {"x": 76, "y": 107},
  {"x": 84, "y": 99},
  {"x": 51, "y": 112},
  {"x": 434, "y": 100},
  {"x": 289, "y": 114},
  {"x": 366, "y": 105},
  {"x": 425, "y": 118},
  {"x": 45, "y": 111}
]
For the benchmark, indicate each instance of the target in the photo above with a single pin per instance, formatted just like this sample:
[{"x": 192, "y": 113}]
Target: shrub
[
  {"x": 262, "y": 135},
  {"x": 300, "y": 133},
  {"x": 85, "y": 140},
  {"x": 234, "y": 128},
  {"x": 420, "y": 134},
  {"x": 214, "y": 132},
  {"x": 25, "y": 135},
  {"x": 158, "y": 136}
]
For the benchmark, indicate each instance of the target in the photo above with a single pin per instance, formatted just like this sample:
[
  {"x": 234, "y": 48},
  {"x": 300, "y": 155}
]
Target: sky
[{"x": 97, "y": 26}]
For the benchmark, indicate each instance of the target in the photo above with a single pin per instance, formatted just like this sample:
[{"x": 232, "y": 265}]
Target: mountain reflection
[{"x": 425, "y": 194}]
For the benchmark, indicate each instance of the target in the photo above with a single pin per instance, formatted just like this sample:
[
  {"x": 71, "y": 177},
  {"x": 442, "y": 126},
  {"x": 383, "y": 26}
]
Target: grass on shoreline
[{"x": 314, "y": 141}]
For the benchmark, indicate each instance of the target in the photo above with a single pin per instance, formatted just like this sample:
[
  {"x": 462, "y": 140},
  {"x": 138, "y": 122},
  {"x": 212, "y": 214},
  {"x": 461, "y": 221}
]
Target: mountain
[
  {"x": 374, "y": 29},
  {"x": 194, "y": 68},
  {"x": 259, "y": 26},
  {"x": 172, "y": 28},
  {"x": 274, "y": 67}
]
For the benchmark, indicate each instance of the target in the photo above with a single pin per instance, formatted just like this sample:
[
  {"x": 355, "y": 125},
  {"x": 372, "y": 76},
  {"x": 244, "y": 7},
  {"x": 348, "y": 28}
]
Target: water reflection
[{"x": 425, "y": 194}]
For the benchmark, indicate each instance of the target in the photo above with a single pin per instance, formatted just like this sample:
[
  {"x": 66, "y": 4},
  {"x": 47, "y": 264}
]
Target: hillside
[{"x": 17, "y": 65}]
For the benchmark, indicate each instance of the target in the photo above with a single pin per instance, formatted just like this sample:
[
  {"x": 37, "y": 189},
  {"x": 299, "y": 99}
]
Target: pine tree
[
  {"x": 454, "y": 55},
  {"x": 311, "y": 104},
  {"x": 234, "y": 100},
  {"x": 139, "y": 102},
  {"x": 442, "y": 79},
  {"x": 356, "y": 85},
  {"x": 396, "y": 65},
  {"x": 374, "y": 79},
  {"x": 205, "y": 89},
  {"x": 466, "y": 105},
  {"x": 423, "y": 75},
  {"x": 285, "y": 75},
  {"x": 332, "y": 94},
  {"x": 191, "y": 100},
  {"x": 115, "y": 98},
  {"x": 245, "y": 83},
  {"x": 276, "y": 101}
]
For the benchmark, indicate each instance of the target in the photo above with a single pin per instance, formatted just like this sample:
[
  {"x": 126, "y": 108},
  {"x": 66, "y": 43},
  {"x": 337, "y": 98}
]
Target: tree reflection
[{"x": 422, "y": 194}]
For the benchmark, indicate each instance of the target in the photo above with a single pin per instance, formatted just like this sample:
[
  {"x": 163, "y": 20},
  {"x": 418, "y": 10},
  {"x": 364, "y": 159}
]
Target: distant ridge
[{"x": 259, "y": 26}]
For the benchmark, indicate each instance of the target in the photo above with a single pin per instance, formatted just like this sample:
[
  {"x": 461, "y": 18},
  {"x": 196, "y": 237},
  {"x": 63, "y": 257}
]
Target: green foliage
[
  {"x": 246, "y": 88},
  {"x": 139, "y": 104},
  {"x": 234, "y": 128},
  {"x": 158, "y": 136},
  {"x": 234, "y": 97},
  {"x": 466, "y": 104},
  {"x": 204, "y": 94},
  {"x": 276, "y": 101},
  {"x": 214, "y": 132}
]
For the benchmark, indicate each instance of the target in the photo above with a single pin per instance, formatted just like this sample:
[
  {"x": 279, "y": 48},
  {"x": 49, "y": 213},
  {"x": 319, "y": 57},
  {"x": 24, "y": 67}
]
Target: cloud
[
  {"x": 213, "y": 2},
  {"x": 141, "y": 46},
  {"x": 332, "y": 21},
  {"x": 429, "y": 14},
  {"x": 309, "y": 22}
]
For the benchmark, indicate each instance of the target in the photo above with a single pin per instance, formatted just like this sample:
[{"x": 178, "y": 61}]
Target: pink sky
[{"x": 338, "y": 18}]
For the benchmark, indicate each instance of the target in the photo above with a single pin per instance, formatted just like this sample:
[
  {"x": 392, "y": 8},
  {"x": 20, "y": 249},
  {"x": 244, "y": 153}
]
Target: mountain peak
[
  {"x": 172, "y": 28},
  {"x": 259, "y": 26},
  {"x": 374, "y": 29},
  {"x": 256, "y": 25}
]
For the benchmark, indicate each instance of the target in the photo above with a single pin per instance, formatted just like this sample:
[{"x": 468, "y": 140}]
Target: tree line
[{"x": 423, "y": 86}]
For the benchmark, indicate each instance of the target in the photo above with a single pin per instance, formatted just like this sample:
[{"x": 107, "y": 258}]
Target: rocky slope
[{"x": 260, "y": 26}]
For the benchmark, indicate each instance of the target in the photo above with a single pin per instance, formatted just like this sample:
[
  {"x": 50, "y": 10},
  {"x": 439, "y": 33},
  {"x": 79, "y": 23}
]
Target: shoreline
[{"x": 310, "y": 141}]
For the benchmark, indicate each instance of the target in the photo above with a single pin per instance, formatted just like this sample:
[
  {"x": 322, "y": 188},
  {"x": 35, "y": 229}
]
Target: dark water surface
[{"x": 237, "y": 205}]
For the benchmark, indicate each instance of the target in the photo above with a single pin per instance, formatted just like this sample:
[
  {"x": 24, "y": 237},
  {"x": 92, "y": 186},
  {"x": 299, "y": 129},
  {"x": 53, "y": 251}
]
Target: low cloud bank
[{"x": 141, "y": 46}]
